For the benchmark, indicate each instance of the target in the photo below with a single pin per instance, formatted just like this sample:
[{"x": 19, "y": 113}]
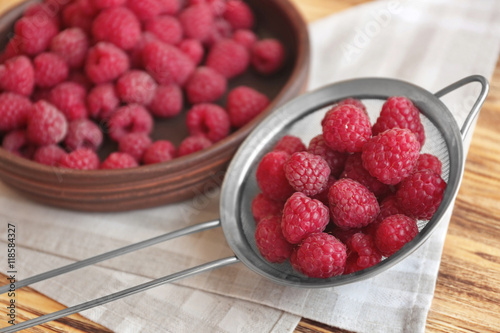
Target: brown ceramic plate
[{"x": 181, "y": 178}]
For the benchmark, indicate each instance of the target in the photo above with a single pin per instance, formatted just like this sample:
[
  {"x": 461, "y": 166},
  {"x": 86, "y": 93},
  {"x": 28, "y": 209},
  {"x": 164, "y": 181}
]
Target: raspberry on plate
[
  {"x": 145, "y": 9},
  {"x": 205, "y": 86},
  {"x": 17, "y": 143},
  {"x": 244, "y": 104},
  {"x": 106, "y": 62},
  {"x": 72, "y": 45},
  {"x": 335, "y": 159},
  {"x": 46, "y": 124},
  {"x": 193, "y": 49},
  {"x": 119, "y": 160},
  {"x": 268, "y": 56},
  {"x": 289, "y": 144},
  {"x": 271, "y": 176},
  {"x": 83, "y": 133},
  {"x": 167, "y": 101},
  {"x": 165, "y": 28},
  {"x": 354, "y": 170},
  {"x": 117, "y": 25},
  {"x": 428, "y": 161},
  {"x": 239, "y": 15},
  {"x": 394, "y": 232},
  {"x": 209, "y": 120},
  {"x": 391, "y": 156},
  {"x": 228, "y": 58},
  {"x": 102, "y": 101},
  {"x": 136, "y": 86},
  {"x": 159, "y": 151},
  {"x": 14, "y": 111},
  {"x": 196, "y": 21},
  {"x": 134, "y": 144},
  {"x": 50, "y": 69},
  {"x": 262, "y": 207},
  {"x": 70, "y": 99},
  {"x": 34, "y": 35},
  {"x": 132, "y": 118},
  {"x": 270, "y": 241},
  {"x": 192, "y": 144},
  {"x": 17, "y": 75},
  {"x": 49, "y": 155},
  {"x": 303, "y": 216},
  {"x": 81, "y": 159},
  {"x": 307, "y": 173}
]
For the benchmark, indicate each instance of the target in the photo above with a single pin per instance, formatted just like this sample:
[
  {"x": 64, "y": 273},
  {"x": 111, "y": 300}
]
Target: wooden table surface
[{"x": 467, "y": 297}]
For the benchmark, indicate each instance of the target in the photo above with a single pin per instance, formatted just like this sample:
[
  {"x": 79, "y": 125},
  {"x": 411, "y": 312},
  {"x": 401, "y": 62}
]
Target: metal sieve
[{"x": 300, "y": 117}]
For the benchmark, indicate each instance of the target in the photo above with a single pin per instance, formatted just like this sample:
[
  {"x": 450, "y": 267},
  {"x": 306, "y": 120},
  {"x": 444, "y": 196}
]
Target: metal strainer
[{"x": 301, "y": 117}]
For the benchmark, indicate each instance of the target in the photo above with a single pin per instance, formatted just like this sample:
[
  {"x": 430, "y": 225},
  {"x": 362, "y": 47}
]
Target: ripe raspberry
[
  {"x": 217, "y": 6},
  {"x": 307, "y": 173},
  {"x": 244, "y": 104},
  {"x": 399, "y": 112},
  {"x": 342, "y": 235},
  {"x": 364, "y": 246},
  {"x": 420, "y": 194},
  {"x": 245, "y": 37},
  {"x": 346, "y": 128},
  {"x": 354, "y": 170},
  {"x": 353, "y": 101},
  {"x": 72, "y": 45},
  {"x": 239, "y": 15},
  {"x": 220, "y": 30},
  {"x": 49, "y": 155},
  {"x": 389, "y": 206},
  {"x": 14, "y": 111},
  {"x": 352, "y": 205},
  {"x": 303, "y": 216},
  {"x": 159, "y": 151},
  {"x": 17, "y": 143},
  {"x": 428, "y": 161},
  {"x": 135, "y": 55},
  {"x": 165, "y": 28},
  {"x": 351, "y": 264},
  {"x": 271, "y": 176},
  {"x": 132, "y": 118},
  {"x": 205, "y": 86},
  {"x": 46, "y": 124},
  {"x": 74, "y": 15},
  {"x": 105, "y": 62},
  {"x": 136, "y": 86},
  {"x": 145, "y": 9},
  {"x": 196, "y": 21},
  {"x": 119, "y": 160},
  {"x": 270, "y": 241},
  {"x": 268, "y": 56},
  {"x": 102, "y": 101},
  {"x": 104, "y": 4},
  {"x": 170, "y": 7},
  {"x": 17, "y": 75},
  {"x": 208, "y": 120},
  {"x": 12, "y": 49},
  {"x": 228, "y": 58},
  {"x": 263, "y": 207},
  {"x": 134, "y": 144},
  {"x": 320, "y": 256},
  {"x": 336, "y": 160},
  {"x": 391, "y": 156},
  {"x": 34, "y": 35},
  {"x": 289, "y": 144},
  {"x": 193, "y": 49},
  {"x": 83, "y": 133},
  {"x": 69, "y": 98},
  {"x": 167, "y": 101},
  {"x": 323, "y": 195},
  {"x": 192, "y": 144},
  {"x": 81, "y": 159},
  {"x": 394, "y": 232},
  {"x": 44, "y": 11},
  {"x": 167, "y": 64},
  {"x": 50, "y": 69},
  {"x": 117, "y": 25}
]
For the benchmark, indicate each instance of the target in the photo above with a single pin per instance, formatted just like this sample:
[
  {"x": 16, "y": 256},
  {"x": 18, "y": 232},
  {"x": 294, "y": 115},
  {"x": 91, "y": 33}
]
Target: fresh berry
[
  {"x": 268, "y": 56},
  {"x": 270, "y": 241},
  {"x": 14, "y": 111},
  {"x": 209, "y": 120},
  {"x": 118, "y": 160},
  {"x": 342, "y": 235},
  {"x": 220, "y": 30},
  {"x": 44, "y": 11},
  {"x": 49, "y": 155},
  {"x": 192, "y": 144},
  {"x": 167, "y": 101},
  {"x": 346, "y": 128},
  {"x": 354, "y": 170},
  {"x": 83, "y": 133},
  {"x": 117, "y": 25},
  {"x": 17, "y": 75},
  {"x": 17, "y": 143},
  {"x": 245, "y": 37},
  {"x": 74, "y": 15},
  {"x": 420, "y": 194},
  {"x": 106, "y": 62},
  {"x": 271, "y": 176},
  {"x": 12, "y": 49},
  {"x": 70, "y": 99},
  {"x": 244, "y": 104},
  {"x": 77, "y": 76},
  {"x": 307, "y": 173},
  {"x": 145, "y": 9},
  {"x": 323, "y": 195},
  {"x": 394, "y": 232},
  {"x": 136, "y": 54},
  {"x": 289, "y": 144},
  {"x": 81, "y": 159},
  {"x": 239, "y": 15},
  {"x": 170, "y": 7},
  {"x": 102, "y": 101},
  {"x": 104, "y": 4},
  {"x": 428, "y": 162},
  {"x": 136, "y": 86},
  {"x": 72, "y": 45},
  {"x": 353, "y": 101},
  {"x": 205, "y": 86},
  {"x": 364, "y": 246},
  {"x": 228, "y": 58},
  {"x": 132, "y": 118},
  {"x": 46, "y": 124},
  {"x": 391, "y": 156},
  {"x": 351, "y": 264},
  {"x": 335, "y": 159},
  {"x": 193, "y": 49},
  {"x": 134, "y": 144},
  {"x": 389, "y": 206},
  {"x": 196, "y": 21},
  {"x": 303, "y": 216},
  {"x": 34, "y": 35},
  {"x": 50, "y": 69},
  {"x": 165, "y": 28},
  {"x": 159, "y": 151},
  {"x": 352, "y": 205},
  {"x": 262, "y": 207},
  {"x": 320, "y": 255}
]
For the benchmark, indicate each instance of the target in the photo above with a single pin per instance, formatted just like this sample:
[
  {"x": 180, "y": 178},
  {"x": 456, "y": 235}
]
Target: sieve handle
[{"x": 473, "y": 113}]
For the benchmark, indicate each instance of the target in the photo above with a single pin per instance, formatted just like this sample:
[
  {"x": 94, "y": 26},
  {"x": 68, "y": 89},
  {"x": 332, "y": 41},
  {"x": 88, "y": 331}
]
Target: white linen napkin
[{"x": 430, "y": 43}]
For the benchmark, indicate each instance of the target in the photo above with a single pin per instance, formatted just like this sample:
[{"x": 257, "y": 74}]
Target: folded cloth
[{"x": 427, "y": 42}]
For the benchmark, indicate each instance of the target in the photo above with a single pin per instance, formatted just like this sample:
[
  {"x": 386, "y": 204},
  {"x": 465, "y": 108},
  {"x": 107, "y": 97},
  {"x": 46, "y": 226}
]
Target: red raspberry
[
  {"x": 335, "y": 159},
  {"x": 69, "y": 98},
  {"x": 170, "y": 7},
  {"x": 353, "y": 101},
  {"x": 134, "y": 144},
  {"x": 165, "y": 28},
  {"x": 17, "y": 143},
  {"x": 420, "y": 194},
  {"x": 167, "y": 64},
  {"x": 209, "y": 120},
  {"x": 34, "y": 35},
  {"x": 391, "y": 156},
  {"x": 289, "y": 144},
  {"x": 323, "y": 195},
  {"x": 342, "y": 235},
  {"x": 50, "y": 69},
  {"x": 197, "y": 21},
  {"x": 192, "y": 144},
  {"x": 117, "y": 25},
  {"x": 228, "y": 58},
  {"x": 346, "y": 128},
  {"x": 159, "y": 151},
  {"x": 221, "y": 29},
  {"x": 83, "y": 133},
  {"x": 104, "y": 4},
  {"x": 268, "y": 56},
  {"x": 132, "y": 118},
  {"x": 80, "y": 78},
  {"x": 218, "y": 6},
  {"x": 136, "y": 55},
  {"x": 270, "y": 241},
  {"x": 351, "y": 264},
  {"x": 245, "y": 37},
  {"x": 17, "y": 75},
  {"x": 364, "y": 246},
  {"x": 205, "y": 86},
  {"x": 354, "y": 170},
  {"x": 49, "y": 155},
  {"x": 320, "y": 255},
  {"x": 136, "y": 86},
  {"x": 239, "y": 15},
  {"x": 428, "y": 162},
  {"x": 74, "y": 15},
  {"x": 105, "y": 62},
  {"x": 145, "y": 9},
  {"x": 399, "y": 112},
  {"x": 307, "y": 173},
  {"x": 81, "y": 159},
  {"x": 46, "y": 124},
  {"x": 193, "y": 49},
  {"x": 44, "y": 11},
  {"x": 72, "y": 45},
  {"x": 119, "y": 160},
  {"x": 271, "y": 176},
  {"x": 12, "y": 49},
  {"x": 388, "y": 207},
  {"x": 244, "y": 104},
  {"x": 352, "y": 205},
  {"x": 14, "y": 111},
  {"x": 263, "y": 207},
  {"x": 303, "y": 216},
  {"x": 394, "y": 232},
  {"x": 102, "y": 101},
  {"x": 167, "y": 101}
]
